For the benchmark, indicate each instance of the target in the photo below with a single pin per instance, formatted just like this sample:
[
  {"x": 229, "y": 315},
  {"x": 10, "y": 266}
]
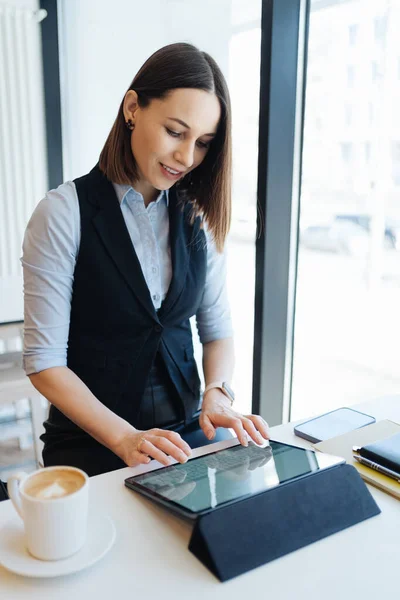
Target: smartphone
[{"x": 332, "y": 424}]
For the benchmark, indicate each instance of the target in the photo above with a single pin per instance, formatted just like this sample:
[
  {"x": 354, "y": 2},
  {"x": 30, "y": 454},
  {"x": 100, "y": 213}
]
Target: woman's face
[{"x": 171, "y": 136}]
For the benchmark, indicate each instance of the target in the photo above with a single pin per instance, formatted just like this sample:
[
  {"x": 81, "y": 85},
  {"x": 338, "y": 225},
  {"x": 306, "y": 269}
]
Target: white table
[{"x": 150, "y": 559}]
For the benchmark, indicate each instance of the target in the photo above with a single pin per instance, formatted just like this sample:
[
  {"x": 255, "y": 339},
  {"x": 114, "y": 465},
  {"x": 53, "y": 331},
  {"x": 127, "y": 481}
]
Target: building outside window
[{"x": 348, "y": 286}]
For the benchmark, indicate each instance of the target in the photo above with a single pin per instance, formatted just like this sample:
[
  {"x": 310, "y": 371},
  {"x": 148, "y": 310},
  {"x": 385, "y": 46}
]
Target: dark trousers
[{"x": 159, "y": 408}]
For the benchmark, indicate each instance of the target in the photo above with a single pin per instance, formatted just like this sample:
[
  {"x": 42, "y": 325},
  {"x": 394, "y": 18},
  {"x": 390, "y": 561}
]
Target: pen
[{"x": 376, "y": 467}]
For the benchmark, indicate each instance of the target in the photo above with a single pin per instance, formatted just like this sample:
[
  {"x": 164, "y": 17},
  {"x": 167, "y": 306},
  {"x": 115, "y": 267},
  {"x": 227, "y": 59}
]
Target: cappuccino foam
[{"x": 58, "y": 483}]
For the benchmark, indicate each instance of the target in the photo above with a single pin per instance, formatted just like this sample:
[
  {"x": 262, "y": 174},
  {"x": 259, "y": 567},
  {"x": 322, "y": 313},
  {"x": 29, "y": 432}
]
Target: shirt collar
[{"x": 125, "y": 191}]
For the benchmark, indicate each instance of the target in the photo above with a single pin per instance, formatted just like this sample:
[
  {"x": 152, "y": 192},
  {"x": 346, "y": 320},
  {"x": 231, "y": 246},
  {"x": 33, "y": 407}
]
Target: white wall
[
  {"x": 23, "y": 171},
  {"x": 33, "y": 4}
]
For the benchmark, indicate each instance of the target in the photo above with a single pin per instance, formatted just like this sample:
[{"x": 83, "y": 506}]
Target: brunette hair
[{"x": 208, "y": 187}]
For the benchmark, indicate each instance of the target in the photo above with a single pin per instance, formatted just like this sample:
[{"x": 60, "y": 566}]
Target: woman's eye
[
  {"x": 177, "y": 134},
  {"x": 174, "y": 134}
]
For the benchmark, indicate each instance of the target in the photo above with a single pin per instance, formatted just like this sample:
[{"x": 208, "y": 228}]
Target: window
[
  {"x": 367, "y": 152},
  {"x": 396, "y": 163},
  {"x": 351, "y": 75},
  {"x": 348, "y": 114},
  {"x": 353, "y": 29},
  {"x": 347, "y": 151},
  {"x": 346, "y": 328},
  {"x": 380, "y": 27},
  {"x": 371, "y": 112},
  {"x": 375, "y": 72}
]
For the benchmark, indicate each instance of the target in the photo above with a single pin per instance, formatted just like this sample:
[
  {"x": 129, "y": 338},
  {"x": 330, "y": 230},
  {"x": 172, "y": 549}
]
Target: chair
[
  {"x": 15, "y": 386},
  {"x": 3, "y": 491}
]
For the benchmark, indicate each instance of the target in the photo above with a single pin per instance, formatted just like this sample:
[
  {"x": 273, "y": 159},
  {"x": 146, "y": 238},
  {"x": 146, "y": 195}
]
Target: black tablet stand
[{"x": 239, "y": 537}]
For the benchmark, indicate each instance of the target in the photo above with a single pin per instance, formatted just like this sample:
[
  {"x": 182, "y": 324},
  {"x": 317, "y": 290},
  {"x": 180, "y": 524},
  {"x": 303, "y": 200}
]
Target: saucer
[{"x": 15, "y": 557}]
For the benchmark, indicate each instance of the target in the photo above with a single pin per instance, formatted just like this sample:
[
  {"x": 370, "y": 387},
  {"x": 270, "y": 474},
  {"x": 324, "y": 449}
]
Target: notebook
[
  {"x": 342, "y": 446},
  {"x": 384, "y": 452}
]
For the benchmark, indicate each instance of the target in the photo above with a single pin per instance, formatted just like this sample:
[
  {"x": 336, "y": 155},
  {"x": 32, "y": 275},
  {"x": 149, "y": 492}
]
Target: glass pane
[
  {"x": 237, "y": 51},
  {"x": 348, "y": 290},
  {"x": 244, "y": 85}
]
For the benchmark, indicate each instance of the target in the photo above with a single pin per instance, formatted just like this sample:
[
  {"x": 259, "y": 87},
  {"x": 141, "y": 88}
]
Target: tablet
[{"x": 220, "y": 478}]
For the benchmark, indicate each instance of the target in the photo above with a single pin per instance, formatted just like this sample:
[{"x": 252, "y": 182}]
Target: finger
[
  {"x": 220, "y": 419},
  {"x": 148, "y": 447},
  {"x": 252, "y": 431},
  {"x": 236, "y": 424},
  {"x": 260, "y": 424},
  {"x": 138, "y": 458},
  {"x": 176, "y": 439},
  {"x": 232, "y": 422},
  {"x": 207, "y": 426},
  {"x": 163, "y": 443}
]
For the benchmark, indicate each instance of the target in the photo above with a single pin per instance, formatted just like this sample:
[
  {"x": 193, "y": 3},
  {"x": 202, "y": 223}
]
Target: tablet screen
[{"x": 215, "y": 479}]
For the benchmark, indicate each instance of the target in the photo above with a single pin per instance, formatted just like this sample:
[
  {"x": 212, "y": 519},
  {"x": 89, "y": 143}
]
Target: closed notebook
[
  {"x": 385, "y": 452},
  {"x": 342, "y": 445}
]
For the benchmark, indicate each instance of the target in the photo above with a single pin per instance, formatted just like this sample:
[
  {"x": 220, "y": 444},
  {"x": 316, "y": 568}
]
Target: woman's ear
[{"x": 130, "y": 104}]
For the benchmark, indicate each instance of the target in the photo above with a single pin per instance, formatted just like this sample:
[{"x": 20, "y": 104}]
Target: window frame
[{"x": 284, "y": 38}]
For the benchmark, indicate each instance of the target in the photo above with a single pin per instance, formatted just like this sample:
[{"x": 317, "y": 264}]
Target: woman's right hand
[{"x": 138, "y": 447}]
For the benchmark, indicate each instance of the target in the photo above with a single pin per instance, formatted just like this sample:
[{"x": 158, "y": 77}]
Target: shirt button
[
  {"x": 154, "y": 269},
  {"x": 156, "y": 297},
  {"x": 157, "y": 328}
]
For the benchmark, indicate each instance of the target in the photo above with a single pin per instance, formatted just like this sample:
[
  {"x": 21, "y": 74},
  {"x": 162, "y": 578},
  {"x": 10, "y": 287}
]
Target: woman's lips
[{"x": 170, "y": 175}]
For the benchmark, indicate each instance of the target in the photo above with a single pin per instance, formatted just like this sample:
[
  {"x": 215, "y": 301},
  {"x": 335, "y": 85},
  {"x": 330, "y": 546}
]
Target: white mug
[{"x": 55, "y": 527}]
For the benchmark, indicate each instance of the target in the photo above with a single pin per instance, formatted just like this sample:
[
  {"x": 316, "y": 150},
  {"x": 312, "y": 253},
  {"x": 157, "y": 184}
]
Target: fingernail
[
  {"x": 260, "y": 439},
  {"x": 244, "y": 442},
  {"x": 210, "y": 434}
]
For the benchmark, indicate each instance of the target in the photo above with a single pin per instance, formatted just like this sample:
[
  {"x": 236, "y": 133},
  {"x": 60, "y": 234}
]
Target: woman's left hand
[{"x": 217, "y": 412}]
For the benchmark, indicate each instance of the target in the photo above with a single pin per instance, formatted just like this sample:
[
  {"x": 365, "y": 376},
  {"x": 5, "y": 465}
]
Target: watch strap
[{"x": 220, "y": 385}]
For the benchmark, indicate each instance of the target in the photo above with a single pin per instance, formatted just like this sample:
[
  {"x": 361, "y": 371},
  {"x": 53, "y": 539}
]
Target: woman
[{"x": 116, "y": 263}]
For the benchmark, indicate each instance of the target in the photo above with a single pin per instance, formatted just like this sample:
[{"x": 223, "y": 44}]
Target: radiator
[{"x": 23, "y": 176}]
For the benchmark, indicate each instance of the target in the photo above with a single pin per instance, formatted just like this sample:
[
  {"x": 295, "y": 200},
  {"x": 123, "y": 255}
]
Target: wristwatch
[{"x": 224, "y": 387}]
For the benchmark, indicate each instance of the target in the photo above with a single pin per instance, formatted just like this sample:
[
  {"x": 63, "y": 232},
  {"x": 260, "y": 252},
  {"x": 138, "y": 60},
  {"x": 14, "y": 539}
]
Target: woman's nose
[{"x": 185, "y": 155}]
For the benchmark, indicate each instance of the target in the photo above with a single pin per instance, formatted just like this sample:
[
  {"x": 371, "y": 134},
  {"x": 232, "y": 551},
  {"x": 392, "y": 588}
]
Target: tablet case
[{"x": 239, "y": 537}]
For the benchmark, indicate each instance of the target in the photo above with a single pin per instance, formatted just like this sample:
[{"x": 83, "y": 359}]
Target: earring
[{"x": 130, "y": 124}]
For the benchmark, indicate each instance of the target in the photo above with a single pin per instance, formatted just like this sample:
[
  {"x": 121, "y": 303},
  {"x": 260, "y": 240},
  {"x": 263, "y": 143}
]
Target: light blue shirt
[{"x": 50, "y": 249}]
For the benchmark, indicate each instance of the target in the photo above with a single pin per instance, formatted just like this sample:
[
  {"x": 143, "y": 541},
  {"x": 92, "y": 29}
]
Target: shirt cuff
[
  {"x": 36, "y": 363},
  {"x": 218, "y": 334}
]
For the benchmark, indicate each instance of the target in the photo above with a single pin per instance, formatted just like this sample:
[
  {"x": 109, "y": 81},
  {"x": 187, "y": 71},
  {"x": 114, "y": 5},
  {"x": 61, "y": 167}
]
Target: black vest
[{"x": 115, "y": 331}]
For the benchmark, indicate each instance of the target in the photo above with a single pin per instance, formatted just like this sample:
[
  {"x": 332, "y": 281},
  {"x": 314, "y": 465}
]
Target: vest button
[{"x": 157, "y": 328}]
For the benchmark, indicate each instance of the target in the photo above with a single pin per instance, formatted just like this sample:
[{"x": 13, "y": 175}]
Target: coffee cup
[{"x": 53, "y": 504}]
